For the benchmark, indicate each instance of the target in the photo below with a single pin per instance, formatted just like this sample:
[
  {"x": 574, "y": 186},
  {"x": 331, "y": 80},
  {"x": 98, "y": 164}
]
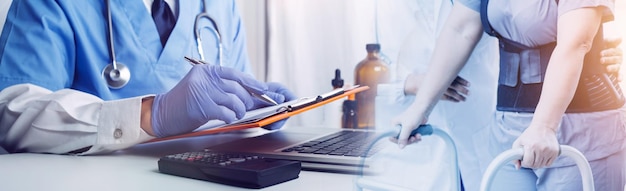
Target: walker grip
[{"x": 424, "y": 130}]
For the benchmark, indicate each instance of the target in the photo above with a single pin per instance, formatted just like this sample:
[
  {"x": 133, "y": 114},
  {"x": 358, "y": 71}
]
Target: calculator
[{"x": 230, "y": 168}]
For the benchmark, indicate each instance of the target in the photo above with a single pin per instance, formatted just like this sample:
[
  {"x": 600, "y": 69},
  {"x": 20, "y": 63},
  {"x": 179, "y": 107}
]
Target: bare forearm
[
  {"x": 565, "y": 66},
  {"x": 412, "y": 82},
  {"x": 146, "y": 115},
  {"x": 562, "y": 76},
  {"x": 461, "y": 33}
]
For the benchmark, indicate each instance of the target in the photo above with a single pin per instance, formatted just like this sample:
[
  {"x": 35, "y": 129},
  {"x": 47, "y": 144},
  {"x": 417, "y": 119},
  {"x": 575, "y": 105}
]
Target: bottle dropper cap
[{"x": 337, "y": 82}]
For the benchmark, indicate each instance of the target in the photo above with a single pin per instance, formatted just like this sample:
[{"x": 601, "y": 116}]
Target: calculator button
[{"x": 237, "y": 159}]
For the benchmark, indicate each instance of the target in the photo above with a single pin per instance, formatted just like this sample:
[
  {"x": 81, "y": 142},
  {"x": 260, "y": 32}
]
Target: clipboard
[{"x": 268, "y": 115}]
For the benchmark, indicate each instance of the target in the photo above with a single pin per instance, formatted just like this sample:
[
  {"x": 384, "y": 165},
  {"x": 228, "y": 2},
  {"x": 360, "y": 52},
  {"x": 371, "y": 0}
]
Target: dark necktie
[{"x": 163, "y": 18}]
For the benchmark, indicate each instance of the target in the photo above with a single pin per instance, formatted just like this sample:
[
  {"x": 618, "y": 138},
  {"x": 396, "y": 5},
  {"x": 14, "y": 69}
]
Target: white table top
[{"x": 135, "y": 169}]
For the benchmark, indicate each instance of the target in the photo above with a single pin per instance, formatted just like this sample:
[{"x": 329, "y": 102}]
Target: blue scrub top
[{"x": 64, "y": 44}]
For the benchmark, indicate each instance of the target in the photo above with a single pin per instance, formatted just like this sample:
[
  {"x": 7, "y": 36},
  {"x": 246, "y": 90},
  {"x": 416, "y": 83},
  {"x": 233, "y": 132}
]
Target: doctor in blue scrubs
[{"x": 54, "y": 97}]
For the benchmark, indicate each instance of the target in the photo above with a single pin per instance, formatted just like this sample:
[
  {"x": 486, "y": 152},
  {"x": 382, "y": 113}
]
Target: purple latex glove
[
  {"x": 206, "y": 93},
  {"x": 278, "y": 93}
]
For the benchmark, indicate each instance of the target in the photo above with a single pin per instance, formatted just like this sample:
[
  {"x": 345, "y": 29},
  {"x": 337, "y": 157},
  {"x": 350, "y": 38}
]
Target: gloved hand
[
  {"x": 206, "y": 93},
  {"x": 541, "y": 147},
  {"x": 278, "y": 93}
]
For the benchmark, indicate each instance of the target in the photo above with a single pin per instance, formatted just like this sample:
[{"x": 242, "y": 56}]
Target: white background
[{"x": 309, "y": 39}]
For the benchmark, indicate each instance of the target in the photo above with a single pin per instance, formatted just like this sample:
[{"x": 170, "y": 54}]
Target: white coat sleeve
[{"x": 35, "y": 119}]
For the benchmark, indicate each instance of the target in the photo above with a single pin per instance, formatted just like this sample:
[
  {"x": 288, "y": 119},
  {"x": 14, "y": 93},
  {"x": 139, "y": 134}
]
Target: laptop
[{"x": 319, "y": 149}]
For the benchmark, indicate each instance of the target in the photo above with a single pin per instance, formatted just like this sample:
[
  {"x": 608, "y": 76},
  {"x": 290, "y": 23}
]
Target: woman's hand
[
  {"x": 408, "y": 121},
  {"x": 541, "y": 147},
  {"x": 612, "y": 55}
]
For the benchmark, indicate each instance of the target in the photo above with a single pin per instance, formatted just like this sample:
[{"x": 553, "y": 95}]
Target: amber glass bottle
[{"x": 369, "y": 72}]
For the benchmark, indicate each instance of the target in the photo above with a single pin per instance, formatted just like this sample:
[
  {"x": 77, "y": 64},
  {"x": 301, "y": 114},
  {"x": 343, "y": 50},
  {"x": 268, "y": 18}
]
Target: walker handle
[
  {"x": 424, "y": 130},
  {"x": 516, "y": 154}
]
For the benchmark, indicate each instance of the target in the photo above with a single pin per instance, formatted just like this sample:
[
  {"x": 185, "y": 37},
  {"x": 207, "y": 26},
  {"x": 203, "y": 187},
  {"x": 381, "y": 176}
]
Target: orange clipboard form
[{"x": 268, "y": 115}]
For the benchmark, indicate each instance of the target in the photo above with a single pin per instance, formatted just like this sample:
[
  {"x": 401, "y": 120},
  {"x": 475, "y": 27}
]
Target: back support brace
[{"x": 522, "y": 71}]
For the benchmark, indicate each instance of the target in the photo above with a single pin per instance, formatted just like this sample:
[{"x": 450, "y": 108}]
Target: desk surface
[{"x": 135, "y": 169}]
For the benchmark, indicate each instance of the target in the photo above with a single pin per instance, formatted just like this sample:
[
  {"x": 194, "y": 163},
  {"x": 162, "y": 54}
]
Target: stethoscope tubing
[
  {"x": 110, "y": 34},
  {"x": 215, "y": 30}
]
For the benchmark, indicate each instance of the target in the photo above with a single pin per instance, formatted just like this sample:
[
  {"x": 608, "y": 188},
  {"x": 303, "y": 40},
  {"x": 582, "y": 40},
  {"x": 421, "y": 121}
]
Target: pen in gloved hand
[{"x": 252, "y": 91}]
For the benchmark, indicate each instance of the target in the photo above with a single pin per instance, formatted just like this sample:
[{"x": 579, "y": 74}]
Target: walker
[
  {"x": 516, "y": 154},
  {"x": 365, "y": 183}
]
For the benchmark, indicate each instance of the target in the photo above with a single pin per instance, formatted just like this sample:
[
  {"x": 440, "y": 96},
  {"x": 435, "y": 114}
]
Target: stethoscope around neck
[{"x": 117, "y": 74}]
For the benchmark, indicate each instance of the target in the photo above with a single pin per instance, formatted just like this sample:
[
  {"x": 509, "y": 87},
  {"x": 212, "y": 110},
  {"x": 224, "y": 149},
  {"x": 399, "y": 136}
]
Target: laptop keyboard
[{"x": 342, "y": 143}]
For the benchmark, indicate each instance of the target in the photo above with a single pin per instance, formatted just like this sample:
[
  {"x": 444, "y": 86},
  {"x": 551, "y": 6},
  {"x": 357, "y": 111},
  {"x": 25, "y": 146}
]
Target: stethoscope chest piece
[{"x": 116, "y": 75}]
